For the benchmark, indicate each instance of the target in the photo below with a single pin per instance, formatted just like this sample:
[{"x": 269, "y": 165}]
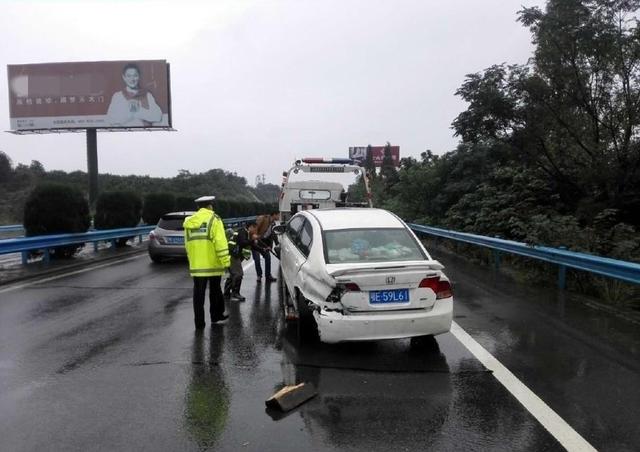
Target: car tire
[
  {"x": 307, "y": 326},
  {"x": 155, "y": 259}
]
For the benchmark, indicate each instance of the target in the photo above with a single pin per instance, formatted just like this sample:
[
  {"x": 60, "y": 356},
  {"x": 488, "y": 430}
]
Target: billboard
[
  {"x": 100, "y": 94},
  {"x": 359, "y": 154}
]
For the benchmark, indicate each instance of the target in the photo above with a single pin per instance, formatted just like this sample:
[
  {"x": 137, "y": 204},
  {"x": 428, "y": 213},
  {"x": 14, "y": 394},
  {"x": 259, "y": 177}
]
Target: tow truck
[{"x": 316, "y": 193}]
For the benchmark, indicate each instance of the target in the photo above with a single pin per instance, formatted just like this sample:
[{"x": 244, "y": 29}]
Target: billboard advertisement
[
  {"x": 100, "y": 94},
  {"x": 359, "y": 154}
]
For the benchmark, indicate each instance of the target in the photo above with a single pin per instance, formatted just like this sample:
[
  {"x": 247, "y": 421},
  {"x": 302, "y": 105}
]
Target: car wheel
[
  {"x": 307, "y": 326},
  {"x": 156, "y": 259}
]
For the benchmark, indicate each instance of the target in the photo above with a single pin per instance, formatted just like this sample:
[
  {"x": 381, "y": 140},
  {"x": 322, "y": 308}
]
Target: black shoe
[
  {"x": 200, "y": 326},
  {"x": 237, "y": 297},
  {"x": 226, "y": 296},
  {"x": 220, "y": 320},
  {"x": 271, "y": 279}
]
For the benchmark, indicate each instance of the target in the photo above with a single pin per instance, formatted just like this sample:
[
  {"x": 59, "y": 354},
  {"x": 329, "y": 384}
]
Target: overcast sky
[{"x": 256, "y": 84}]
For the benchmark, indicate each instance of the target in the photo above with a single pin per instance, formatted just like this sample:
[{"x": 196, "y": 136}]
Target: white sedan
[{"x": 361, "y": 274}]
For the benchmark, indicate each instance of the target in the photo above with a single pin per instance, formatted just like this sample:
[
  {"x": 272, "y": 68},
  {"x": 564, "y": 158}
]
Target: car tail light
[
  {"x": 352, "y": 287},
  {"x": 441, "y": 288}
]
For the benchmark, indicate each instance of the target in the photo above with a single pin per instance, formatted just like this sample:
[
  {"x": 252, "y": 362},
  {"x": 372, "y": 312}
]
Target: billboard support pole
[{"x": 92, "y": 167}]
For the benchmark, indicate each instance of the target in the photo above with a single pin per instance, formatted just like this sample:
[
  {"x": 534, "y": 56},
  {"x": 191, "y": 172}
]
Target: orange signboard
[{"x": 100, "y": 94}]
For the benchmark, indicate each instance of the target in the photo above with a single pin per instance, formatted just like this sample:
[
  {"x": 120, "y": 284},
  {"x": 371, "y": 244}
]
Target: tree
[
  {"x": 56, "y": 209},
  {"x": 6, "y": 168},
  {"x": 369, "y": 164},
  {"x": 37, "y": 168},
  {"x": 119, "y": 209},
  {"x": 157, "y": 204},
  {"x": 584, "y": 94},
  {"x": 388, "y": 170}
]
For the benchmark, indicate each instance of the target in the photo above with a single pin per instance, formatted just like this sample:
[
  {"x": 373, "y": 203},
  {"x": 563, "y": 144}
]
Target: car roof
[{"x": 358, "y": 217}]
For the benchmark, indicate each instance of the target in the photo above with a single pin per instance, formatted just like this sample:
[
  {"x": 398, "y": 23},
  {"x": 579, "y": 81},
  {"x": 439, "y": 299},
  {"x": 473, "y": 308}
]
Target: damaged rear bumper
[{"x": 335, "y": 327}]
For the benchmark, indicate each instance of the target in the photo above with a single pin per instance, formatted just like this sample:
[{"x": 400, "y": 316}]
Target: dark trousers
[
  {"x": 267, "y": 262},
  {"x": 234, "y": 281},
  {"x": 216, "y": 301}
]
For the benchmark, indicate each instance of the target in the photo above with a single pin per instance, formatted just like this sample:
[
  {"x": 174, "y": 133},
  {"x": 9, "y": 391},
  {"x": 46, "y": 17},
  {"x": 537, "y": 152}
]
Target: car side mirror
[{"x": 280, "y": 229}]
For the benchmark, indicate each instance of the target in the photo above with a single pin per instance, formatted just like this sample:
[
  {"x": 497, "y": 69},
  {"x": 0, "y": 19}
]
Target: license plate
[
  {"x": 179, "y": 240},
  {"x": 389, "y": 296}
]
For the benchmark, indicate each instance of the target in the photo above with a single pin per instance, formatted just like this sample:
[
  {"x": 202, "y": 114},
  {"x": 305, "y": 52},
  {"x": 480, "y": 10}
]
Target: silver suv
[{"x": 167, "y": 239}]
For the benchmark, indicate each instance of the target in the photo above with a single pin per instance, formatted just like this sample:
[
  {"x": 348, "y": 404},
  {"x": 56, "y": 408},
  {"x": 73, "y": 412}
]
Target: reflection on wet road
[{"x": 109, "y": 360}]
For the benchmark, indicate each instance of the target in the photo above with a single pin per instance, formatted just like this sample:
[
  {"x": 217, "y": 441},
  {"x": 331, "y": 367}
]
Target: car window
[
  {"x": 370, "y": 245},
  {"x": 171, "y": 223},
  {"x": 293, "y": 227},
  {"x": 305, "y": 238}
]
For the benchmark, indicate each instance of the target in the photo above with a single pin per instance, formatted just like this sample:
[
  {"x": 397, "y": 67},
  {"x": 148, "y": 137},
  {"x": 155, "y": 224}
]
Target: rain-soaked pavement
[{"x": 109, "y": 360}]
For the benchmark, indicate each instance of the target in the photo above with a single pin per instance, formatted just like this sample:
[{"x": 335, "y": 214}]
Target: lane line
[
  {"x": 550, "y": 420},
  {"x": 64, "y": 275}
]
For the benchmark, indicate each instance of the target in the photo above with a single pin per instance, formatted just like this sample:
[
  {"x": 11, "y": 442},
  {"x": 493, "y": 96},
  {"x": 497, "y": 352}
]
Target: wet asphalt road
[{"x": 109, "y": 360}]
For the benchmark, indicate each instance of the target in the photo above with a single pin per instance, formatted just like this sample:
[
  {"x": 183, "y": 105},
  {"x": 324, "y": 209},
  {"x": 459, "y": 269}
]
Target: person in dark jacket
[{"x": 239, "y": 248}]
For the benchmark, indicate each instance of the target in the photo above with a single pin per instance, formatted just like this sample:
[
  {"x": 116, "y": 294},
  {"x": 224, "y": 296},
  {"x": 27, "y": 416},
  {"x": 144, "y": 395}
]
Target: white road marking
[
  {"x": 550, "y": 420},
  {"x": 64, "y": 275}
]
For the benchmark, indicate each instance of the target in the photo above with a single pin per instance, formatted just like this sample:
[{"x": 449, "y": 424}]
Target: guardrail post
[
  {"x": 46, "y": 256},
  {"x": 496, "y": 259},
  {"x": 95, "y": 247},
  {"x": 140, "y": 238},
  {"x": 113, "y": 243},
  {"x": 25, "y": 257},
  {"x": 562, "y": 273}
]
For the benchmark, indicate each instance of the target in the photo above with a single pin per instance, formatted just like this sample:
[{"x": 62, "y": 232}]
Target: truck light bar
[{"x": 323, "y": 160}]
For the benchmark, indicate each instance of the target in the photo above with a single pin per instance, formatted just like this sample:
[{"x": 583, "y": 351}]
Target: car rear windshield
[
  {"x": 171, "y": 223},
  {"x": 370, "y": 245}
]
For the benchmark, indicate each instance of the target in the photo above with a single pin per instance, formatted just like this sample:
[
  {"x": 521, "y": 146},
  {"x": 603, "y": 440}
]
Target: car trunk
[{"x": 383, "y": 287}]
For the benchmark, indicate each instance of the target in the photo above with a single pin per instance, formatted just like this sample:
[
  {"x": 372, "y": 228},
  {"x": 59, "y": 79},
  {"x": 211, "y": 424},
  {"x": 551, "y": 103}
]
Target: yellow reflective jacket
[{"x": 206, "y": 244}]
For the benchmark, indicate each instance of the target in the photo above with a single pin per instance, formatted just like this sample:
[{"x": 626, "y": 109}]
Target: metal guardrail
[
  {"x": 238, "y": 221},
  {"x": 613, "y": 268},
  {"x": 46, "y": 242},
  {"x": 12, "y": 228}
]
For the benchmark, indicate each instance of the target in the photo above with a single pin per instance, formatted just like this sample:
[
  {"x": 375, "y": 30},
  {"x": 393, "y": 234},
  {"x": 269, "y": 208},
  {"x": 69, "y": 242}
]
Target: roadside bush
[
  {"x": 118, "y": 209},
  {"x": 156, "y": 205},
  {"x": 56, "y": 209},
  {"x": 185, "y": 203}
]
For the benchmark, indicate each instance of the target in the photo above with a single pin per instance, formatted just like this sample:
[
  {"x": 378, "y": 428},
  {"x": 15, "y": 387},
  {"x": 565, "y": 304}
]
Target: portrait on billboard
[
  {"x": 133, "y": 106},
  {"x": 98, "y": 94},
  {"x": 358, "y": 154}
]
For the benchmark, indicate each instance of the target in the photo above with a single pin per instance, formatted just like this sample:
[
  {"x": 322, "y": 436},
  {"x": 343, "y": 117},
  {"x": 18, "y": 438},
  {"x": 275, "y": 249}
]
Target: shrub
[
  {"x": 118, "y": 209},
  {"x": 185, "y": 203},
  {"x": 156, "y": 205},
  {"x": 56, "y": 209}
]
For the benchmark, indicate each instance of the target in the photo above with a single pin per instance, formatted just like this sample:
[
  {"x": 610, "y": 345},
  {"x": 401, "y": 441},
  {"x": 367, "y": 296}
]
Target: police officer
[{"x": 208, "y": 255}]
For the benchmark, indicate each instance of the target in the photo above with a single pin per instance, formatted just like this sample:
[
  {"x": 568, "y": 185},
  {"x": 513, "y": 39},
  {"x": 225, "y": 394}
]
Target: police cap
[{"x": 204, "y": 199}]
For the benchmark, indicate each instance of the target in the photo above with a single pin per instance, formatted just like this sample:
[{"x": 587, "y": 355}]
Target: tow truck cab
[{"x": 318, "y": 194}]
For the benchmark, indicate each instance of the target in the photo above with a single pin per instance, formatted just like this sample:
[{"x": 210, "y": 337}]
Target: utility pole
[{"x": 92, "y": 167}]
